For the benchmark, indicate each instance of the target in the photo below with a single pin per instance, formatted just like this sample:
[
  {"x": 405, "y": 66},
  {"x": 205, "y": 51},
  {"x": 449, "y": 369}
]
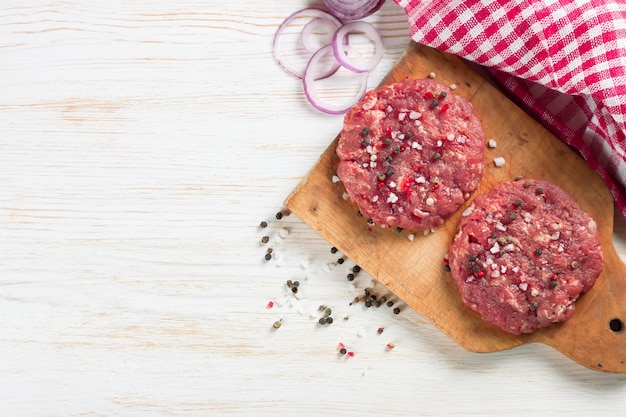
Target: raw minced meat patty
[
  {"x": 411, "y": 153},
  {"x": 523, "y": 254}
]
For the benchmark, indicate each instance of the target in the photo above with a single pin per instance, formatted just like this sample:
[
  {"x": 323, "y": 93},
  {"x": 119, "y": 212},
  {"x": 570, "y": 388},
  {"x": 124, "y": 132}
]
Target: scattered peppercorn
[
  {"x": 333, "y": 250},
  {"x": 437, "y": 156},
  {"x": 512, "y": 216},
  {"x": 388, "y": 158},
  {"x": 380, "y": 330},
  {"x": 518, "y": 202},
  {"x": 554, "y": 283},
  {"x": 396, "y": 310},
  {"x": 365, "y": 131},
  {"x": 329, "y": 320},
  {"x": 387, "y": 142},
  {"x": 263, "y": 225},
  {"x": 534, "y": 306},
  {"x": 322, "y": 320},
  {"x": 446, "y": 267},
  {"x": 527, "y": 184},
  {"x": 389, "y": 303},
  {"x": 265, "y": 239},
  {"x": 399, "y": 229},
  {"x": 390, "y": 171},
  {"x": 343, "y": 351},
  {"x": 575, "y": 264},
  {"x": 538, "y": 251},
  {"x": 434, "y": 103},
  {"x": 443, "y": 94},
  {"x": 277, "y": 323},
  {"x": 294, "y": 290},
  {"x": 356, "y": 269},
  {"x": 279, "y": 215},
  {"x": 368, "y": 303},
  {"x": 268, "y": 256},
  {"x": 350, "y": 277},
  {"x": 340, "y": 261},
  {"x": 539, "y": 191},
  {"x": 365, "y": 142}
]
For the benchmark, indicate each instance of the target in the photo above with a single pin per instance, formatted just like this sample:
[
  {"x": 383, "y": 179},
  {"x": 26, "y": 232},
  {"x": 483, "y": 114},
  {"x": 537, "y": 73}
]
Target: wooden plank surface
[
  {"x": 141, "y": 143},
  {"x": 414, "y": 270}
]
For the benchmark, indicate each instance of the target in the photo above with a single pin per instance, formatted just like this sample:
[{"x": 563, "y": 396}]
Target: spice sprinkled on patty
[
  {"x": 411, "y": 153},
  {"x": 523, "y": 254}
]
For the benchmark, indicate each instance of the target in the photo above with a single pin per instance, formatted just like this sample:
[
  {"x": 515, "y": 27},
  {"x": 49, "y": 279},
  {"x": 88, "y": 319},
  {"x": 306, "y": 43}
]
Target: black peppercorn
[
  {"x": 329, "y": 320},
  {"x": 389, "y": 303},
  {"x": 263, "y": 225},
  {"x": 333, "y": 250},
  {"x": 340, "y": 261},
  {"x": 350, "y": 277},
  {"x": 356, "y": 269},
  {"x": 279, "y": 215},
  {"x": 396, "y": 310},
  {"x": 343, "y": 351},
  {"x": 265, "y": 239},
  {"x": 268, "y": 256}
]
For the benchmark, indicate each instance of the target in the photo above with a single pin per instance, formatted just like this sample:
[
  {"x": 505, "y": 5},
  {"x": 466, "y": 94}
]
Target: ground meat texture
[
  {"x": 411, "y": 153},
  {"x": 523, "y": 254}
]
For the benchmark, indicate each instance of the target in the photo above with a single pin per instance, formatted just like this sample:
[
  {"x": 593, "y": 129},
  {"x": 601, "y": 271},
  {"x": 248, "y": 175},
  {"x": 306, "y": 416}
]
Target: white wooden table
[{"x": 141, "y": 145}]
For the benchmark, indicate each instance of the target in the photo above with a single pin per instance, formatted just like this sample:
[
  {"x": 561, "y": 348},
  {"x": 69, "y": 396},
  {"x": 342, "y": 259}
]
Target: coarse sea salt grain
[
  {"x": 499, "y": 161},
  {"x": 411, "y": 237},
  {"x": 335, "y": 179},
  {"x": 492, "y": 143}
]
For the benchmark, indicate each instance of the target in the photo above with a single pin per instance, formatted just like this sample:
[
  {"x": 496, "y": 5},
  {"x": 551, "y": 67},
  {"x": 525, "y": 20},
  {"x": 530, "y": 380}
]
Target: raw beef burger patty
[
  {"x": 411, "y": 153},
  {"x": 523, "y": 254}
]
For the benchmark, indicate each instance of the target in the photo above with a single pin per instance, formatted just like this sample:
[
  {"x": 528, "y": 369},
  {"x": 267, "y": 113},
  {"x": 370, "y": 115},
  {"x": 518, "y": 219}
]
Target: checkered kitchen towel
[{"x": 563, "y": 61}]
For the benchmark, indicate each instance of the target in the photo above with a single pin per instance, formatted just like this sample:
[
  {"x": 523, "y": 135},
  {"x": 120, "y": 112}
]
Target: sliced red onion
[
  {"x": 341, "y": 50},
  {"x": 324, "y": 24},
  {"x": 353, "y": 9},
  {"x": 312, "y": 12},
  {"x": 308, "y": 81}
]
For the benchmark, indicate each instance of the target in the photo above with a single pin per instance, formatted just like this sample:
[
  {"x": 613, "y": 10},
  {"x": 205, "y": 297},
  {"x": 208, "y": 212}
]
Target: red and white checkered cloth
[{"x": 564, "y": 62}]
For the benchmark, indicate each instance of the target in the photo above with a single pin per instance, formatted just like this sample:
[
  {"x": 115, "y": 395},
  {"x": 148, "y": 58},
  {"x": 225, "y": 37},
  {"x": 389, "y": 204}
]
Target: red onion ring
[
  {"x": 341, "y": 52},
  {"x": 309, "y": 11},
  {"x": 314, "y": 24},
  {"x": 308, "y": 82},
  {"x": 353, "y": 9}
]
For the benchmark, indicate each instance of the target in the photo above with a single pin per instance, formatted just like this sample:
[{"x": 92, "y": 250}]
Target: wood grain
[
  {"x": 413, "y": 270},
  {"x": 141, "y": 144}
]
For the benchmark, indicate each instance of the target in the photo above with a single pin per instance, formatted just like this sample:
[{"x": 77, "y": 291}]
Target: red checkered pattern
[{"x": 564, "y": 62}]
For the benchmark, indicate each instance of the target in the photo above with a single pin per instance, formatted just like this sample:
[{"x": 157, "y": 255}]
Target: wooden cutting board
[{"x": 414, "y": 270}]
